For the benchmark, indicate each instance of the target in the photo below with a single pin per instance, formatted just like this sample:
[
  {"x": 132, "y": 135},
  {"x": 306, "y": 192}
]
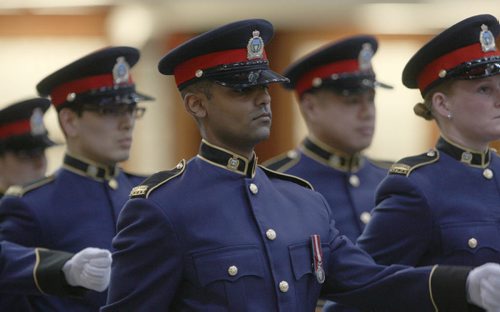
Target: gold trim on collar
[
  {"x": 233, "y": 162},
  {"x": 92, "y": 170},
  {"x": 331, "y": 157}
]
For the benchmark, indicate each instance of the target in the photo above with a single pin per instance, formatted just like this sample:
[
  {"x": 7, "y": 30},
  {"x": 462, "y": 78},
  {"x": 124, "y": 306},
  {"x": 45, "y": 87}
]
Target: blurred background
[{"x": 38, "y": 37}]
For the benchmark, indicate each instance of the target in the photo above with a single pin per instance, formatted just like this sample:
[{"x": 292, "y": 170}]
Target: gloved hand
[
  {"x": 483, "y": 287},
  {"x": 89, "y": 268}
]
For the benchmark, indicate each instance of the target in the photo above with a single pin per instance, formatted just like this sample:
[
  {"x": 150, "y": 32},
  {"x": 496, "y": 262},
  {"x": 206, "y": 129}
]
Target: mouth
[
  {"x": 263, "y": 116},
  {"x": 125, "y": 142},
  {"x": 366, "y": 130}
]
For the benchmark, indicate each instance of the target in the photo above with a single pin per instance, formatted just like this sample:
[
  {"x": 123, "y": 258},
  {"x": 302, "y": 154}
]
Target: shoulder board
[
  {"x": 406, "y": 165},
  {"x": 287, "y": 177},
  {"x": 385, "y": 164},
  {"x": 282, "y": 162},
  {"x": 20, "y": 190},
  {"x": 147, "y": 186}
]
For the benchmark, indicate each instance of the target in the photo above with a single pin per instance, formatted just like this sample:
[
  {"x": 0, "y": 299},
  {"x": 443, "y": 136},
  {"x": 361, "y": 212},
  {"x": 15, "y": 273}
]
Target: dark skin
[{"x": 234, "y": 119}]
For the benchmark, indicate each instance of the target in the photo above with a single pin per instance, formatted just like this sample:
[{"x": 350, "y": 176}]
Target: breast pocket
[
  {"x": 301, "y": 258},
  {"x": 471, "y": 243},
  {"x": 227, "y": 273}
]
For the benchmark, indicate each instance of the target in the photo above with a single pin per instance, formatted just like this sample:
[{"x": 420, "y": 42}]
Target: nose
[
  {"x": 367, "y": 109},
  {"x": 263, "y": 98},
  {"x": 126, "y": 121}
]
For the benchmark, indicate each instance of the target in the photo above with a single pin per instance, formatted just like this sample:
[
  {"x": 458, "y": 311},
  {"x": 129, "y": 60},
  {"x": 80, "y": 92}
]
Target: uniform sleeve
[
  {"x": 26, "y": 270},
  {"x": 141, "y": 278},
  {"x": 18, "y": 224},
  {"x": 354, "y": 279},
  {"x": 401, "y": 225}
]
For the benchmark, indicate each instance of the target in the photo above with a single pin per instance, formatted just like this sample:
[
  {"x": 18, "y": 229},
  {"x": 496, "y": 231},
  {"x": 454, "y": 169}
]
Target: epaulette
[
  {"x": 287, "y": 177},
  {"x": 20, "y": 190},
  {"x": 384, "y": 164},
  {"x": 147, "y": 186},
  {"x": 282, "y": 162},
  {"x": 406, "y": 165}
]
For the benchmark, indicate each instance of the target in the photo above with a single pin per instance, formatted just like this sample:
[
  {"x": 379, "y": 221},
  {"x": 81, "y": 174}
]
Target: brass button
[
  {"x": 488, "y": 174},
  {"x": 113, "y": 184},
  {"x": 354, "y": 180},
  {"x": 365, "y": 217},
  {"x": 179, "y": 165},
  {"x": 271, "y": 234},
  {"x": 232, "y": 270},
  {"x": 472, "y": 242},
  {"x": 283, "y": 286},
  {"x": 254, "y": 189}
]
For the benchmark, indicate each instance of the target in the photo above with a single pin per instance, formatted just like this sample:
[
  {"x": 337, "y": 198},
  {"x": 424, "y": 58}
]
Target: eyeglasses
[{"x": 116, "y": 110}]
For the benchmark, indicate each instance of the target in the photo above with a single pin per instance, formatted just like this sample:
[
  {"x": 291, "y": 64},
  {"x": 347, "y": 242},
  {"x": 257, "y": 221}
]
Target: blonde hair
[{"x": 424, "y": 109}]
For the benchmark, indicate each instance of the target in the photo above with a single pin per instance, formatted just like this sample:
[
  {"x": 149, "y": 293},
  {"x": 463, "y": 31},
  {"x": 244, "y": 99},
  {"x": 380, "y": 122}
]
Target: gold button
[
  {"x": 271, "y": 234},
  {"x": 354, "y": 180},
  {"x": 365, "y": 217},
  {"x": 472, "y": 242},
  {"x": 113, "y": 184},
  {"x": 488, "y": 174},
  {"x": 431, "y": 153},
  {"x": 254, "y": 189},
  {"x": 179, "y": 166},
  {"x": 283, "y": 286},
  {"x": 232, "y": 270}
]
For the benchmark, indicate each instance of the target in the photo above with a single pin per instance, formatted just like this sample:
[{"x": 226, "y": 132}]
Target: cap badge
[
  {"x": 365, "y": 57},
  {"x": 255, "y": 46},
  {"x": 253, "y": 77},
  {"x": 36, "y": 122},
  {"x": 487, "y": 39},
  {"x": 120, "y": 71}
]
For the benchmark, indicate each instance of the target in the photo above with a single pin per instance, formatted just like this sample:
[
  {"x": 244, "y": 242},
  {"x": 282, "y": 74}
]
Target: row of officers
[{"x": 221, "y": 232}]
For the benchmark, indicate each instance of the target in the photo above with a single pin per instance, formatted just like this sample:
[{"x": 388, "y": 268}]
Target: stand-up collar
[
  {"x": 90, "y": 169},
  {"x": 331, "y": 157},
  {"x": 226, "y": 159},
  {"x": 462, "y": 154}
]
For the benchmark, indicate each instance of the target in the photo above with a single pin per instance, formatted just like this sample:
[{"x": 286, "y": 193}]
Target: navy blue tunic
[{"x": 75, "y": 208}]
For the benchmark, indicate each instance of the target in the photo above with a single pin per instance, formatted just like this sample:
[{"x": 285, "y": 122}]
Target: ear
[
  {"x": 441, "y": 104},
  {"x": 69, "y": 121},
  {"x": 195, "y": 104}
]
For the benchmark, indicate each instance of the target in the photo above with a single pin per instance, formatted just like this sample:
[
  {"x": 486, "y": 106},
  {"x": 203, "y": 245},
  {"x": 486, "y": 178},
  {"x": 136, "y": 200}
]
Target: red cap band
[
  {"x": 15, "y": 128},
  {"x": 60, "y": 93},
  {"x": 187, "y": 70},
  {"x": 306, "y": 82},
  {"x": 430, "y": 73}
]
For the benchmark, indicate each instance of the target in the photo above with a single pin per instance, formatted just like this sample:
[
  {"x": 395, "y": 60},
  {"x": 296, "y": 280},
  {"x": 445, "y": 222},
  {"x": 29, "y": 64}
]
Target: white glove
[
  {"x": 483, "y": 287},
  {"x": 89, "y": 268}
]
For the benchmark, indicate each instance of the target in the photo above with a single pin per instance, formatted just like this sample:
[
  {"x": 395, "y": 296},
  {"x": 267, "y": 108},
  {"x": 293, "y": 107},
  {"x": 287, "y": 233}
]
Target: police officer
[
  {"x": 335, "y": 85},
  {"x": 77, "y": 207},
  {"x": 221, "y": 233},
  {"x": 441, "y": 207},
  {"x": 23, "y": 140}
]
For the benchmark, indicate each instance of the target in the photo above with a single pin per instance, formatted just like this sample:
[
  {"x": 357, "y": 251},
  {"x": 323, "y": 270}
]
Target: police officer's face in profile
[
  {"x": 345, "y": 122},
  {"x": 474, "y": 107},
  {"x": 21, "y": 167},
  {"x": 101, "y": 136},
  {"x": 237, "y": 119}
]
